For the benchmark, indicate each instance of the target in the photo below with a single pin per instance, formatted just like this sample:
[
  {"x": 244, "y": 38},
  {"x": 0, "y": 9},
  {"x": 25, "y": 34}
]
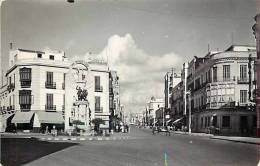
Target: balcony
[
  {"x": 11, "y": 87},
  {"x": 25, "y": 83},
  {"x": 50, "y": 107},
  {"x": 242, "y": 80},
  {"x": 50, "y": 85},
  {"x": 10, "y": 107},
  {"x": 25, "y": 107},
  {"x": 99, "y": 89},
  {"x": 99, "y": 109},
  {"x": 63, "y": 107}
]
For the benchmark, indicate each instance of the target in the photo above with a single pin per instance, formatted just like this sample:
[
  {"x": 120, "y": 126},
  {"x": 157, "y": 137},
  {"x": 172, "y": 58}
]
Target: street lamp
[{"x": 256, "y": 29}]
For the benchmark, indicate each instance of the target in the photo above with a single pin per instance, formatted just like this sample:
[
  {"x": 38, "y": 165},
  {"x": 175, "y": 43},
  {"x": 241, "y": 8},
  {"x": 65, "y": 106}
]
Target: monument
[{"x": 77, "y": 111}]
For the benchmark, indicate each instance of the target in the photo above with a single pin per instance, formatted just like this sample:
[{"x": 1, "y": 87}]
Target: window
[
  {"x": 49, "y": 99},
  {"x": 226, "y": 72},
  {"x": 51, "y": 57},
  {"x": 243, "y": 72},
  {"x": 243, "y": 96},
  {"x": 64, "y": 80},
  {"x": 226, "y": 121},
  {"x": 49, "y": 81},
  {"x": 97, "y": 104},
  {"x": 39, "y": 55},
  {"x": 25, "y": 99},
  {"x": 98, "y": 88},
  {"x": 49, "y": 78},
  {"x": 215, "y": 74},
  {"x": 49, "y": 102},
  {"x": 25, "y": 77}
]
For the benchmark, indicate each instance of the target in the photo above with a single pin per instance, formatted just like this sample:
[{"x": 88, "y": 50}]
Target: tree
[
  {"x": 97, "y": 122},
  {"x": 77, "y": 122}
]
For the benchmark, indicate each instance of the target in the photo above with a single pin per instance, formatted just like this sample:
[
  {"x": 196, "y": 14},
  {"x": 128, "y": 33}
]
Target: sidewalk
[
  {"x": 193, "y": 134},
  {"x": 248, "y": 140}
]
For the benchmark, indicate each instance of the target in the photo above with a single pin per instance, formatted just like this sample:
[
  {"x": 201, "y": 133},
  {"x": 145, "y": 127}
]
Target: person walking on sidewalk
[
  {"x": 153, "y": 130},
  {"x": 167, "y": 132}
]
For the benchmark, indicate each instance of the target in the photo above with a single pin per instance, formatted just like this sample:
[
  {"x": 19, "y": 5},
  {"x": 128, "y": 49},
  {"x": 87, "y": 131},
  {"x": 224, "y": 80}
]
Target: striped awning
[
  {"x": 22, "y": 117},
  {"x": 177, "y": 120}
]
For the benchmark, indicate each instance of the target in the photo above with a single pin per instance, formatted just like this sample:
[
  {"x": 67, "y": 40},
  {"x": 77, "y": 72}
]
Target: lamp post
[{"x": 256, "y": 29}]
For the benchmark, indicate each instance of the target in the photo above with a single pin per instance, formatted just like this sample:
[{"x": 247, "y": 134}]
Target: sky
[{"x": 143, "y": 39}]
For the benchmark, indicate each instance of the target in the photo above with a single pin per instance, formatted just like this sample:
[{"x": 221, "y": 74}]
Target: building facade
[
  {"x": 152, "y": 106},
  {"x": 171, "y": 79},
  {"x": 222, "y": 87},
  {"x": 43, "y": 90}
]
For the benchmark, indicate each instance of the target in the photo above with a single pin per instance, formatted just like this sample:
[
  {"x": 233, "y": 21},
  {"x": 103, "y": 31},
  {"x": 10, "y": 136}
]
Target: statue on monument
[{"x": 82, "y": 94}]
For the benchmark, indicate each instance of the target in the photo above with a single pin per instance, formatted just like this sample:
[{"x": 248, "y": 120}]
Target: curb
[
  {"x": 239, "y": 141},
  {"x": 195, "y": 134},
  {"x": 82, "y": 138}
]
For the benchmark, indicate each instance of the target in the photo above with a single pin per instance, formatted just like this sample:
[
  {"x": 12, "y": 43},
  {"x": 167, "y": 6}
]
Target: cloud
[{"x": 141, "y": 75}]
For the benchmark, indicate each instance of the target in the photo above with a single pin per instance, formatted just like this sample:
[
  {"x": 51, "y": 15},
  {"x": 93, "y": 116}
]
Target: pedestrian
[
  {"x": 117, "y": 128},
  {"x": 123, "y": 129},
  {"x": 168, "y": 130},
  {"x": 127, "y": 128},
  {"x": 153, "y": 130}
]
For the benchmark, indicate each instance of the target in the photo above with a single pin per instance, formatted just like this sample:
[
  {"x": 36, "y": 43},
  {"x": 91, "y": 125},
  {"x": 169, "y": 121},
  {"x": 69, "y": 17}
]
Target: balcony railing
[
  {"x": 63, "y": 85},
  {"x": 25, "y": 107},
  {"x": 50, "y": 107},
  {"x": 99, "y": 109},
  {"x": 11, "y": 87},
  {"x": 10, "y": 108},
  {"x": 242, "y": 80},
  {"x": 25, "y": 83},
  {"x": 99, "y": 89},
  {"x": 50, "y": 85}
]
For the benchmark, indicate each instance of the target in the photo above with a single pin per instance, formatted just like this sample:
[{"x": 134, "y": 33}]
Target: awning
[
  {"x": 50, "y": 117},
  {"x": 176, "y": 121},
  {"x": 5, "y": 116},
  {"x": 156, "y": 121},
  {"x": 22, "y": 117},
  {"x": 168, "y": 121}
]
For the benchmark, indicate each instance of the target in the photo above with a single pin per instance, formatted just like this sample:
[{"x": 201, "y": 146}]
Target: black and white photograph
[{"x": 130, "y": 82}]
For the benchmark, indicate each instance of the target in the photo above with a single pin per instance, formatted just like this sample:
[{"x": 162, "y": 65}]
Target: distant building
[
  {"x": 114, "y": 93},
  {"x": 114, "y": 98},
  {"x": 152, "y": 106},
  {"x": 171, "y": 79}
]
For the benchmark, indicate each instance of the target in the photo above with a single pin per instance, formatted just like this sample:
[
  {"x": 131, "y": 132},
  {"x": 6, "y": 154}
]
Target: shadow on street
[{"x": 18, "y": 151}]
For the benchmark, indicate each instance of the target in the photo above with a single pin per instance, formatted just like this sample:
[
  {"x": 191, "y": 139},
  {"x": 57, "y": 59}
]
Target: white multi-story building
[
  {"x": 222, "y": 90},
  {"x": 152, "y": 106},
  {"x": 42, "y": 89},
  {"x": 171, "y": 79}
]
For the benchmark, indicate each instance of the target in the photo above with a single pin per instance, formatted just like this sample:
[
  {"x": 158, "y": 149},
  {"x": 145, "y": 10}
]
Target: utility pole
[
  {"x": 163, "y": 115},
  {"x": 189, "y": 96}
]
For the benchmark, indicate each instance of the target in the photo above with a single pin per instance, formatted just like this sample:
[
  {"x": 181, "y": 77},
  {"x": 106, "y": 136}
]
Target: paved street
[{"x": 145, "y": 149}]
